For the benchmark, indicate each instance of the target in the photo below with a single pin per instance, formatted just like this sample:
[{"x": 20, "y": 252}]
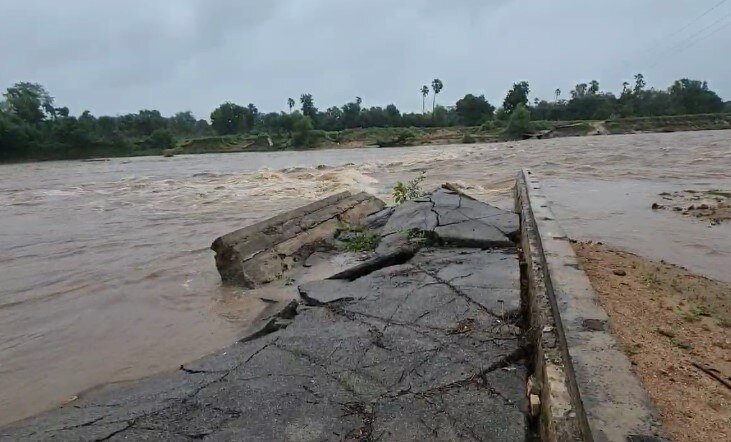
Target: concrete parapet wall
[{"x": 588, "y": 391}]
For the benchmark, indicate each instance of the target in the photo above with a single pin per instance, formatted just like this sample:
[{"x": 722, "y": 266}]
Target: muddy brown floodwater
[{"x": 106, "y": 275}]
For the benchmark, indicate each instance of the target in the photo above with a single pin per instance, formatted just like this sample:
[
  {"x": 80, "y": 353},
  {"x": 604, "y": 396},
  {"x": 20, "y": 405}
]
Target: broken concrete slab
[
  {"x": 454, "y": 218},
  {"x": 411, "y": 215},
  {"x": 378, "y": 220},
  {"x": 472, "y": 233},
  {"x": 317, "y": 293},
  {"x": 263, "y": 252},
  {"x": 489, "y": 279},
  {"x": 398, "y": 254}
]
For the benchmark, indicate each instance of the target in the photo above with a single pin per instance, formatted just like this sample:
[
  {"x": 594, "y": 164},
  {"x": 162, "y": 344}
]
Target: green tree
[
  {"x": 229, "y": 118},
  {"x": 694, "y": 97},
  {"x": 308, "y": 106},
  {"x": 287, "y": 121},
  {"x": 519, "y": 122},
  {"x": 625, "y": 88},
  {"x": 146, "y": 122},
  {"x": 183, "y": 123},
  {"x": 302, "y": 136},
  {"x": 639, "y": 83},
  {"x": 516, "y": 96},
  {"x": 351, "y": 113},
  {"x": 598, "y": 106},
  {"x": 202, "y": 127},
  {"x": 473, "y": 110},
  {"x": 331, "y": 119},
  {"x": 424, "y": 93},
  {"x": 394, "y": 115},
  {"x": 579, "y": 91},
  {"x": 252, "y": 116},
  {"x": 16, "y": 137},
  {"x": 29, "y": 101},
  {"x": 160, "y": 139},
  {"x": 437, "y": 87},
  {"x": 290, "y": 104}
]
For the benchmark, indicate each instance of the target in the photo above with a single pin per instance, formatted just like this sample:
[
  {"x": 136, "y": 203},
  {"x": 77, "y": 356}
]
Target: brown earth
[{"x": 667, "y": 319}]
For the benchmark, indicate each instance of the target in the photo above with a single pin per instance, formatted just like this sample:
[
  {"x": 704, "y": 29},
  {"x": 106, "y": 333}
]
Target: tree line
[
  {"x": 33, "y": 127},
  {"x": 588, "y": 102}
]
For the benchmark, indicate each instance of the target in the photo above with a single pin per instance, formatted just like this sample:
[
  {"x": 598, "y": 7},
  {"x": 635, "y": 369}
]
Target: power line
[
  {"x": 681, "y": 46},
  {"x": 708, "y": 11},
  {"x": 689, "y": 24},
  {"x": 693, "y": 43},
  {"x": 723, "y": 26}
]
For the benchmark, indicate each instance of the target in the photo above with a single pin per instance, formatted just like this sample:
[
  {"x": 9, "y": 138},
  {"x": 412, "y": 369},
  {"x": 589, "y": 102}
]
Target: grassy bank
[
  {"x": 673, "y": 123},
  {"x": 369, "y": 137},
  {"x": 349, "y": 138},
  {"x": 414, "y": 136}
]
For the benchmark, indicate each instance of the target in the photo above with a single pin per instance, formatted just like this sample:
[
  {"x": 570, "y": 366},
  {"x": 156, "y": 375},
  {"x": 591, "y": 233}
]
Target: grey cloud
[{"x": 113, "y": 57}]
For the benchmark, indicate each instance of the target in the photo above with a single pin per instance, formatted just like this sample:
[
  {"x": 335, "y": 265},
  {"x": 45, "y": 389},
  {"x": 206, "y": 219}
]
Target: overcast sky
[{"x": 121, "y": 56}]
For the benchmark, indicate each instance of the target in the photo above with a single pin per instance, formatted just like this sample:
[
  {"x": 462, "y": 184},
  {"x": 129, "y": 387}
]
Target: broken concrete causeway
[{"x": 450, "y": 329}]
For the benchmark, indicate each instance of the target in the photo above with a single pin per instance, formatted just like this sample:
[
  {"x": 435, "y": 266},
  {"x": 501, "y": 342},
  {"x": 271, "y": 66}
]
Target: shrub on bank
[{"x": 468, "y": 139}]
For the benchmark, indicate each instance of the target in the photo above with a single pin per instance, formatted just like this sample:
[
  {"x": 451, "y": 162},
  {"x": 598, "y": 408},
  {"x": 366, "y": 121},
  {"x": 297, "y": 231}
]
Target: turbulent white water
[{"x": 106, "y": 272}]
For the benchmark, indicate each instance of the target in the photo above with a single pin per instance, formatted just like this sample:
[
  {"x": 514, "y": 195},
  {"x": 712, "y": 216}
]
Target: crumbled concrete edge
[
  {"x": 588, "y": 389},
  {"x": 263, "y": 252}
]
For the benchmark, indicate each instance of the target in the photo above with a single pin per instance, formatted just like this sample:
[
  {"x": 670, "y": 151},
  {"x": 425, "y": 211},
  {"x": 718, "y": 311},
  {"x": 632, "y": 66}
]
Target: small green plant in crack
[
  {"x": 409, "y": 191},
  {"x": 424, "y": 237},
  {"x": 415, "y": 234},
  {"x": 354, "y": 240}
]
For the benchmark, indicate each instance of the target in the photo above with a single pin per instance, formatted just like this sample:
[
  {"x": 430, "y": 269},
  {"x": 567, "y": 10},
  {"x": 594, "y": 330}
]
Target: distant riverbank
[{"x": 403, "y": 137}]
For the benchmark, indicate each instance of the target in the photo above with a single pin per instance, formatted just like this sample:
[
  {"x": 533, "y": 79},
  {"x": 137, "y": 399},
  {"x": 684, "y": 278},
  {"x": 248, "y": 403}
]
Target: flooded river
[{"x": 106, "y": 273}]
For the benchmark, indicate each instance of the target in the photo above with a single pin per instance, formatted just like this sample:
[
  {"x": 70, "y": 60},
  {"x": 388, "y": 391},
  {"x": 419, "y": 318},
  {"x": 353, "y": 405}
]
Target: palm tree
[
  {"x": 593, "y": 87},
  {"x": 424, "y": 93},
  {"x": 639, "y": 83},
  {"x": 290, "y": 103},
  {"x": 558, "y": 94},
  {"x": 437, "y": 86}
]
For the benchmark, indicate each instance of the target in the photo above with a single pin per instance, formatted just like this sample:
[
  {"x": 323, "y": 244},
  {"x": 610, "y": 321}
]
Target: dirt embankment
[{"x": 673, "y": 326}]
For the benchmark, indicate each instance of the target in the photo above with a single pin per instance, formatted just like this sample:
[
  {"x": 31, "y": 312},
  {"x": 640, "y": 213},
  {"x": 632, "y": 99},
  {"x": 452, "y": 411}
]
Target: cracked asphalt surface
[{"x": 428, "y": 349}]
